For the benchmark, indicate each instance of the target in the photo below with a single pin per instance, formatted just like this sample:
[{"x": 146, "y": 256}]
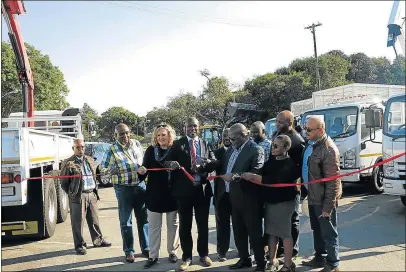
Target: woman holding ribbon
[
  {"x": 279, "y": 202},
  {"x": 158, "y": 195}
]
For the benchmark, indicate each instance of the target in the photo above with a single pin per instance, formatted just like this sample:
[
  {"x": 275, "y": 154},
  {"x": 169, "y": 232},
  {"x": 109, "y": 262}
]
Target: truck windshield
[
  {"x": 340, "y": 122},
  {"x": 270, "y": 127},
  {"x": 395, "y": 119}
]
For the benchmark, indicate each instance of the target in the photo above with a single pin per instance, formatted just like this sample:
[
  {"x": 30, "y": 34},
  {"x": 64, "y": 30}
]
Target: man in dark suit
[
  {"x": 222, "y": 204},
  {"x": 189, "y": 151},
  {"x": 244, "y": 156},
  {"x": 284, "y": 126}
]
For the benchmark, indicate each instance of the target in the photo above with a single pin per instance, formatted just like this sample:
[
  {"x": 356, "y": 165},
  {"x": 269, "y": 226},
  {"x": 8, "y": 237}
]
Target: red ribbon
[
  {"x": 190, "y": 177},
  {"x": 322, "y": 179}
]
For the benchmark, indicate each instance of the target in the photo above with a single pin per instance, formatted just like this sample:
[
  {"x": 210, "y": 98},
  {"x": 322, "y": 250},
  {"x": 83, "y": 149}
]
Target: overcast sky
[{"x": 137, "y": 54}]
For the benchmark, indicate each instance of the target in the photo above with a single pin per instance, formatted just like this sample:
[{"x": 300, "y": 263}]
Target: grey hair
[
  {"x": 77, "y": 140},
  {"x": 286, "y": 141}
]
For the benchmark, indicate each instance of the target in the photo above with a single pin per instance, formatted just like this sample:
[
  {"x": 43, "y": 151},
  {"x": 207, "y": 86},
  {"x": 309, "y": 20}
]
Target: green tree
[
  {"x": 398, "y": 71},
  {"x": 362, "y": 69},
  {"x": 112, "y": 117},
  {"x": 50, "y": 88}
]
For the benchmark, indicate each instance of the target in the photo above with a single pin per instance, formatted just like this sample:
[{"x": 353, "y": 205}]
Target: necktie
[{"x": 193, "y": 152}]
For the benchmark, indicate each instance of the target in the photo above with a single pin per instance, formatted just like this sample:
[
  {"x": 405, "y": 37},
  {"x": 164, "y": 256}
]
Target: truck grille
[{"x": 401, "y": 168}]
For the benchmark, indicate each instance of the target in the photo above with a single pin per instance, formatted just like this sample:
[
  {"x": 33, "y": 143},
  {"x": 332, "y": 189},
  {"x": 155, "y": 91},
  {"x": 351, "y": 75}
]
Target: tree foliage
[
  {"x": 50, "y": 88},
  {"x": 112, "y": 117}
]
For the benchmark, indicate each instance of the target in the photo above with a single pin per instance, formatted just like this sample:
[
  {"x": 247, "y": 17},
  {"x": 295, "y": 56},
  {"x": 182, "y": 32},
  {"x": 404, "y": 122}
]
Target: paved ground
[{"x": 371, "y": 228}]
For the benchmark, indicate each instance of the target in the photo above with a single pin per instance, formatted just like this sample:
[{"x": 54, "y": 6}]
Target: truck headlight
[
  {"x": 350, "y": 154},
  {"x": 387, "y": 156},
  {"x": 349, "y": 163},
  {"x": 389, "y": 171}
]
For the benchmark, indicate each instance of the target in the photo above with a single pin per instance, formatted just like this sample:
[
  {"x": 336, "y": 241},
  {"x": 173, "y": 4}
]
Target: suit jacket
[
  {"x": 73, "y": 186},
  {"x": 251, "y": 159},
  {"x": 180, "y": 184},
  {"x": 219, "y": 154}
]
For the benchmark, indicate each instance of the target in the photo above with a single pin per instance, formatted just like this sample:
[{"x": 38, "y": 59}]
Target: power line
[
  {"x": 312, "y": 28},
  {"x": 186, "y": 14}
]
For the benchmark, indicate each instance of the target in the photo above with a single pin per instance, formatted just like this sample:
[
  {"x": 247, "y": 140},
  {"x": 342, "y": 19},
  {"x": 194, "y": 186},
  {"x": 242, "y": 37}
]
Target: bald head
[
  {"x": 284, "y": 121},
  {"x": 258, "y": 131},
  {"x": 238, "y": 135},
  {"x": 315, "y": 128},
  {"x": 122, "y": 133}
]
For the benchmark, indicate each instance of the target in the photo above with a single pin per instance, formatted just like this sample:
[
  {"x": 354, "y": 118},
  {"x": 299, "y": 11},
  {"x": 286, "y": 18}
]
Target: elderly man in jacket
[
  {"x": 321, "y": 159},
  {"x": 83, "y": 197}
]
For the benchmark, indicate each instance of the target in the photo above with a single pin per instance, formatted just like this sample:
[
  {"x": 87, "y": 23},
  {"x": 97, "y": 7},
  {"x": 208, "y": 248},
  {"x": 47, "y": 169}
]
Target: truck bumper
[
  {"x": 394, "y": 187},
  {"x": 17, "y": 228},
  {"x": 352, "y": 178}
]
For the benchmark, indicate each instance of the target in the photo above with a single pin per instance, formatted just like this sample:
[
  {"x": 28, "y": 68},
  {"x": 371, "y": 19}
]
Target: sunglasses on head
[{"x": 162, "y": 125}]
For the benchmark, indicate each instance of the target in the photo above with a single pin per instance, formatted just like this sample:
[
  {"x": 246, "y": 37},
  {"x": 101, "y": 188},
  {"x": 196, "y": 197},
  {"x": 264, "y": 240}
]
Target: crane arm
[
  {"x": 396, "y": 32},
  {"x": 10, "y": 9}
]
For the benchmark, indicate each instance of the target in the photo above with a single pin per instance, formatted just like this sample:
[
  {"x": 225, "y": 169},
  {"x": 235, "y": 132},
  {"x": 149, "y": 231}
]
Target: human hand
[
  {"x": 298, "y": 186},
  {"x": 325, "y": 214},
  {"x": 142, "y": 170},
  {"x": 250, "y": 176},
  {"x": 174, "y": 165},
  {"x": 227, "y": 177}
]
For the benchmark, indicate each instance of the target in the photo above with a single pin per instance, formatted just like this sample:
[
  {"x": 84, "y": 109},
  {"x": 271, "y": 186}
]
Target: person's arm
[
  {"x": 148, "y": 156},
  {"x": 65, "y": 171},
  {"x": 108, "y": 162},
  {"x": 258, "y": 160},
  {"x": 331, "y": 168}
]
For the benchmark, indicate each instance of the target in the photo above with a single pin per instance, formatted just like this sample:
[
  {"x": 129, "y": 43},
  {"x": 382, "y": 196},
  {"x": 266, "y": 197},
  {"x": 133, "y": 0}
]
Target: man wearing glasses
[
  {"x": 122, "y": 162},
  {"x": 83, "y": 197},
  {"x": 321, "y": 159},
  {"x": 284, "y": 126}
]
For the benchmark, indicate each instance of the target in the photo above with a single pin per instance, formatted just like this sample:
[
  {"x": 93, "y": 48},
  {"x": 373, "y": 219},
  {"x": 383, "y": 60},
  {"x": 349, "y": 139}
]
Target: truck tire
[
  {"x": 402, "y": 198},
  {"x": 62, "y": 198},
  {"x": 376, "y": 180},
  {"x": 50, "y": 208}
]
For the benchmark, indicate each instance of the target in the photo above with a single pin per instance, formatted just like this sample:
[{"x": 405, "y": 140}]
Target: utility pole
[{"x": 312, "y": 28}]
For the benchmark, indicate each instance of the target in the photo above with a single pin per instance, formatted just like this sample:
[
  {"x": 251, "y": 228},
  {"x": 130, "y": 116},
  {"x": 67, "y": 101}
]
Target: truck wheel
[
  {"x": 50, "y": 207},
  {"x": 403, "y": 200},
  {"x": 62, "y": 198},
  {"x": 376, "y": 181}
]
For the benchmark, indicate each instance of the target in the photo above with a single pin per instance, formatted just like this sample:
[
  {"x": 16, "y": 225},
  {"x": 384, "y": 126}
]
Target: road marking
[{"x": 360, "y": 219}]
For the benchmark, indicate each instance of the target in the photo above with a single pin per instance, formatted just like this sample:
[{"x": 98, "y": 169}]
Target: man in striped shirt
[{"x": 122, "y": 162}]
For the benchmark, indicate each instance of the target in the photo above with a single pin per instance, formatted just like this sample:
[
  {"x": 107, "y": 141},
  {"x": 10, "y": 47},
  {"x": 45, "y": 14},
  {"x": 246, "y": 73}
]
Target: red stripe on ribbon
[{"x": 322, "y": 179}]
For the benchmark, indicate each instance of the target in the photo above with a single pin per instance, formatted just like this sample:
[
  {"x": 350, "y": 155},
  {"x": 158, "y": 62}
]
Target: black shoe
[
  {"x": 241, "y": 264},
  {"x": 222, "y": 258},
  {"x": 145, "y": 253},
  {"x": 315, "y": 262},
  {"x": 81, "y": 251},
  {"x": 150, "y": 262},
  {"x": 259, "y": 268},
  {"x": 173, "y": 258}
]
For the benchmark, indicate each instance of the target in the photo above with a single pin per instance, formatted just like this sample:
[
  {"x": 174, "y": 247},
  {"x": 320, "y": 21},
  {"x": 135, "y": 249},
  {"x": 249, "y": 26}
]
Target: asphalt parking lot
[{"x": 371, "y": 228}]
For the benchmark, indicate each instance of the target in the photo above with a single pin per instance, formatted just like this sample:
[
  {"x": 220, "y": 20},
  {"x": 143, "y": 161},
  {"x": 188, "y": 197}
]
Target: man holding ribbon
[
  {"x": 321, "y": 159},
  {"x": 122, "y": 162},
  {"x": 189, "y": 152}
]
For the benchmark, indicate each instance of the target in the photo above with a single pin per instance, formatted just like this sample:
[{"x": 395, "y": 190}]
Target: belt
[{"x": 87, "y": 191}]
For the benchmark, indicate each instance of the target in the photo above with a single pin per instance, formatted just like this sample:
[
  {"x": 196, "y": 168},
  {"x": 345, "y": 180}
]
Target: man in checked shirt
[{"x": 122, "y": 162}]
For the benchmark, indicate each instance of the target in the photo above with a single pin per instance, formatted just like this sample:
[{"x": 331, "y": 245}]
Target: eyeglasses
[
  {"x": 310, "y": 129},
  {"x": 275, "y": 146},
  {"x": 79, "y": 147},
  {"x": 124, "y": 133},
  {"x": 235, "y": 138}
]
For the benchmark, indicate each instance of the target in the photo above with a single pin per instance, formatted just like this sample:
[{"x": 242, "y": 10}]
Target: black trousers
[
  {"x": 223, "y": 218},
  {"x": 295, "y": 230},
  {"x": 201, "y": 206},
  {"x": 247, "y": 224}
]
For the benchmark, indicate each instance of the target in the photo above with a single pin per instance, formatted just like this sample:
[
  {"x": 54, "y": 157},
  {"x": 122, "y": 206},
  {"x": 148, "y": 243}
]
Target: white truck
[
  {"x": 32, "y": 207},
  {"x": 299, "y": 107},
  {"x": 343, "y": 111},
  {"x": 393, "y": 143}
]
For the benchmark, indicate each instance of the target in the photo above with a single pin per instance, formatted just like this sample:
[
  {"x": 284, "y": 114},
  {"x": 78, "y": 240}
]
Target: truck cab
[
  {"x": 270, "y": 127},
  {"x": 393, "y": 143},
  {"x": 345, "y": 125}
]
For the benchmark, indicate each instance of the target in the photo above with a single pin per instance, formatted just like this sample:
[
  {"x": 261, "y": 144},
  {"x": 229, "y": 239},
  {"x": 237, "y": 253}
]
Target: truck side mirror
[
  {"x": 373, "y": 118},
  {"x": 363, "y": 145}
]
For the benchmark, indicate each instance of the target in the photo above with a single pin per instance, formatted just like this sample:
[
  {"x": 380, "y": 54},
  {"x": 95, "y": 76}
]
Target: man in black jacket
[
  {"x": 222, "y": 204},
  {"x": 284, "y": 126},
  {"x": 244, "y": 156},
  {"x": 189, "y": 152}
]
